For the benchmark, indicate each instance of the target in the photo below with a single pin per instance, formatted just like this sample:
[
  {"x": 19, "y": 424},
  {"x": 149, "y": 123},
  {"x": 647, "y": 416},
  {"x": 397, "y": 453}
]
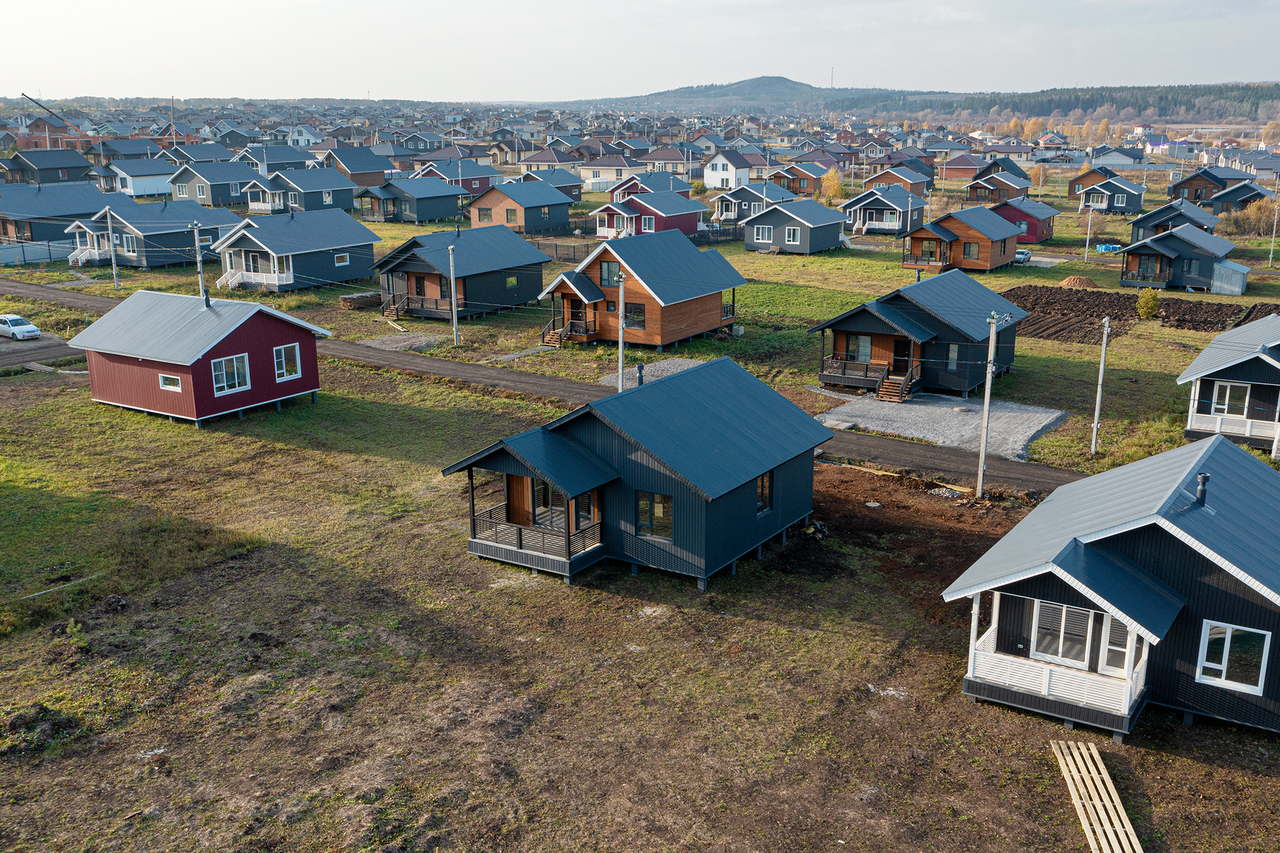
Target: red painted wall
[
  {"x": 135, "y": 382},
  {"x": 1037, "y": 230}
]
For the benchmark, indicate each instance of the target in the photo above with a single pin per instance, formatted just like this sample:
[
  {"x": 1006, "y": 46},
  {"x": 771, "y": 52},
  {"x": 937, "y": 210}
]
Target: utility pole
[
  {"x": 111, "y": 247},
  {"x": 1088, "y": 234},
  {"x": 986, "y": 399},
  {"x": 1275, "y": 216},
  {"x": 453, "y": 299},
  {"x": 622, "y": 326},
  {"x": 1097, "y": 403},
  {"x": 204, "y": 294}
]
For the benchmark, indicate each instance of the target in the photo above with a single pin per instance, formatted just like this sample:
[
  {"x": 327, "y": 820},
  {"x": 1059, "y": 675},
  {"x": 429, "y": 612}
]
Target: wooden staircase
[
  {"x": 391, "y": 309},
  {"x": 891, "y": 390},
  {"x": 551, "y": 338}
]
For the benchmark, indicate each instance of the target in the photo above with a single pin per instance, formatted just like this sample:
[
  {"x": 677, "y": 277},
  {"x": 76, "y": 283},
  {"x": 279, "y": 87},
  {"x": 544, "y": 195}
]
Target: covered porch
[
  {"x": 616, "y": 220},
  {"x": 256, "y": 269},
  {"x": 550, "y": 515},
  {"x": 1246, "y": 412},
  {"x": 421, "y": 293},
  {"x": 376, "y": 204},
  {"x": 928, "y": 249},
  {"x": 869, "y": 351},
  {"x": 92, "y": 245}
]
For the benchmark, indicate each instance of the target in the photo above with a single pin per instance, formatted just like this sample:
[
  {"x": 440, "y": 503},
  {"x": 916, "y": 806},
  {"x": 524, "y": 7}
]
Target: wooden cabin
[
  {"x": 525, "y": 208},
  {"x": 1185, "y": 257},
  {"x": 970, "y": 239},
  {"x": 929, "y": 335},
  {"x": 667, "y": 475}
]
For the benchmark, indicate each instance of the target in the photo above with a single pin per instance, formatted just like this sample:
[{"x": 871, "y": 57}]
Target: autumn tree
[
  {"x": 1104, "y": 129},
  {"x": 1015, "y": 127},
  {"x": 1038, "y": 176},
  {"x": 1271, "y": 133},
  {"x": 832, "y": 185},
  {"x": 1087, "y": 131},
  {"x": 1034, "y": 129}
]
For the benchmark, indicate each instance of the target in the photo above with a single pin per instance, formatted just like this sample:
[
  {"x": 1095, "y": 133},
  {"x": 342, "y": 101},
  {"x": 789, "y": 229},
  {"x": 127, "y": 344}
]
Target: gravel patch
[
  {"x": 947, "y": 421},
  {"x": 8, "y": 344},
  {"x": 656, "y": 370},
  {"x": 415, "y": 341}
]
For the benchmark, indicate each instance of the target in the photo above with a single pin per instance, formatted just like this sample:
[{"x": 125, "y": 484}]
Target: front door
[
  {"x": 573, "y": 309},
  {"x": 901, "y": 355}
]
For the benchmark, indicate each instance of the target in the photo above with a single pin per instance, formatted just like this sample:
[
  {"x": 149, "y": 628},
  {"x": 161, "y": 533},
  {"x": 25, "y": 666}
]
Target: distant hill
[{"x": 767, "y": 94}]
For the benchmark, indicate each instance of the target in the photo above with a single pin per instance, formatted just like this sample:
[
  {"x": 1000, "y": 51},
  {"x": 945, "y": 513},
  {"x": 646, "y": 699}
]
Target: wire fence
[{"x": 36, "y": 252}]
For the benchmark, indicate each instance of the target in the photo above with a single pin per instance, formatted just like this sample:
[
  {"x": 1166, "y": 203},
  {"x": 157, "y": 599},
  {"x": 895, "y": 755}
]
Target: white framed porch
[
  {"x": 1257, "y": 431},
  {"x": 255, "y": 268}
]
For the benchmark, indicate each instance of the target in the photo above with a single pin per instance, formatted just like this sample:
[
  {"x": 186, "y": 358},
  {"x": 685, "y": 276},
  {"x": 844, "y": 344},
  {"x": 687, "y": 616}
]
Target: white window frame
[
  {"x": 1201, "y": 678},
  {"x": 235, "y": 189},
  {"x": 130, "y": 246},
  {"x": 205, "y": 239},
  {"x": 293, "y": 199},
  {"x": 1224, "y": 410},
  {"x": 200, "y": 191},
  {"x": 792, "y": 230},
  {"x": 180, "y": 190},
  {"x": 1120, "y": 199},
  {"x": 763, "y": 234},
  {"x": 757, "y": 207},
  {"x": 1058, "y": 659},
  {"x": 176, "y": 388},
  {"x": 647, "y": 224},
  {"x": 1109, "y": 624},
  {"x": 278, "y": 355},
  {"x": 326, "y": 196},
  {"x": 244, "y": 357},
  {"x": 342, "y": 260}
]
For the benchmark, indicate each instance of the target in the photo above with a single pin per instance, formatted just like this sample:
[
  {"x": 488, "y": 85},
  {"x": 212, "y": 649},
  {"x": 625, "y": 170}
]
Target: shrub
[
  {"x": 1148, "y": 303},
  {"x": 699, "y": 188},
  {"x": 1254, "y": 221}
]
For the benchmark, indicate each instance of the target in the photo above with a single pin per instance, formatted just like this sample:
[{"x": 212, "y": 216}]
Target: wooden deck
[{"x": 1102, "y": 816}]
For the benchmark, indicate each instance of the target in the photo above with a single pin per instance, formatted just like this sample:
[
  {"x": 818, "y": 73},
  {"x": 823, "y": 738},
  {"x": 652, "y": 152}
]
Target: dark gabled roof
[
  {"x": 1252, "y": 340},
  {"x": 314, "y": 180},
  {"x": 419, "y": 188},
  {"x": 1198, "y": 215},
  {"x": 468, "y": 169},
  {"x": 988, "y": 224},
  {"x": 888, "y": 313},
  {"x": 808, "y": 211},
  {"x": 555, "y": 177},
  {"x": 901, "y": 173},
  {"x": 276, "y": 154},
  {"x": 657, "y": 182},
  {"x": 1235, "y": 529},
  {"x": 143, "y": 168},
  {"x": 961, "y": 302},
  {"x": 1244, "y": 190},
  {"x": 162, "y": 217},
  {"x": 581, "y": 284},
  {"x": 893, "y": 195},
  {"x": 221, "y": 173},
  {"x": 1116, "y": 185},
  {"x": 667, "y": 203},
  {"x": 938, "y": 231},
  {"x": 670, "y": 267},
  {"x": 26, "y": 201},
  {"x": 747, "y": 192},
  {"x": 1188, "y": 233},
  {"x": 53, "y": 158},
  {"x": 303, "y": 231},
  {"x": 552, "y": 155},
  {"x": 555, "y": 457},
  {"x": 1038, "y": 209},
  {"x": 360, "y": 160},
  {"x": 125, "y": 147},
  {"x": 207, "y": 152},
  {"x": 734, "y": 159},
  {"x": 173, "y": 328},
  {"x": 613, "y": 161},
  {"x": 1217, "y": 174},
  {"x": 475, "y": 251},
  {"x": 532, "y": 194},
  {"x": 715, "y": 426}
]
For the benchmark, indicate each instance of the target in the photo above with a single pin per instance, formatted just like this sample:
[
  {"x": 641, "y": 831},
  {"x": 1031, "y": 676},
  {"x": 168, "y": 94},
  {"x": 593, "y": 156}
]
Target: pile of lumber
[{"x": 372, "y": 299}]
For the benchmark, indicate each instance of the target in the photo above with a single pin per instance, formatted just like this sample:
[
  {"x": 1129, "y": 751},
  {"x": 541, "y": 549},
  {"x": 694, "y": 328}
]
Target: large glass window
[
  {"x": 857, "y": 348},
  {"x": 1062, "y": 634},
  {"x": 764, "y": 234},
  {"x": 634, "y": 318},
  {"x": 288, "y": 362},
  {"x": 971, "y": 251},
  {"x": 484, "y": 214},
  {"x": 609, "y": 271},
  {"x": 653, "y": 515},
  {"x": 230, "y": 374},
  {"x": 1230, "y": 398},
  {"x": 793, "y": 236},
  {"x": 929, "y": 249},
  {"x": 511, "y": 216},
  {"x": 1233, "y": 657}
]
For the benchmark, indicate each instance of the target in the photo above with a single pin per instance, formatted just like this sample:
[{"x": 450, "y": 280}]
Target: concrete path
[{"x": 950, "y": 464}]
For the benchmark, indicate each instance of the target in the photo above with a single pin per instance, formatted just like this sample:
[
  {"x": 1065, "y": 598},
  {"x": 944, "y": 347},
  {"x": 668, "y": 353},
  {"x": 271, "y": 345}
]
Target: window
[
  {"x": 327, "y": 197},
  {"x": 180, "y": 190},
  {"x": 583, "y": 516},
  {"x": 475, "y": 184},
  {"x": 235, "y": 189},
  {"x": 890, "y": 217},
  {"x": 953, "y": 358},
  {"x": 62, "y": 174},
  {"x": 634, "y": 318},
  {"x": 929, "y": 249},
  {"x": 653, "y": 515},
  {"x": 288, "y": 362},
  {"x": 130, "y": 244},
  {"x": 1193, "y": 267},
  {"x": 609, "y": 272},
  {"x": 1120, "y": 199},
  {"x": 171, "y": 383},
  {"x": 610, "y": 307},
  {"x": 1140, "y": 233},
  {"x": 793, "y": 236},
  {"x": 200, "y": 190},
  {"x": 1022, "y": 226},
  {"x": 484, "y": 214},
  {"x": 618, "y": 173},
  {"x": 230, "y": 374},
  {"x": 1115, "y": 647},
  {"x": 857, "y": 348},
  {"x": 205, "y": 240},
  {"x": 756, "y": 207},
  {"x": 512, "y": 281},
  {"x": 1004, "y": 245},
  {"x": 124, "y": 182},
  {"x": 764, "y": 234},
  {"x": 595, "y": 173},
  {"x": 971, "y": 251},
  {"x": 1233, "y": 657},
  {"x": 764, "y": 493},
  {"x": 804, "y": 183},
  {"x": 1230, "y": 398},
  {"x": 1062, "y": 634},
  {"x": 511, "y": 216},
  {"x": 341, "y": 260},
  {"x": 646, "y": 224}
]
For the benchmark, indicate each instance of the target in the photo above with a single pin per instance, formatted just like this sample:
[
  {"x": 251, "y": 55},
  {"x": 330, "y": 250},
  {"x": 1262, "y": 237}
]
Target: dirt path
[{"x": 957, "y": 466}]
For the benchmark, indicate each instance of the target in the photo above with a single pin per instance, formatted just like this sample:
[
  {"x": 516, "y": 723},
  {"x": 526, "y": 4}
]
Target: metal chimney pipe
[{"x": 1202, "y": 490}]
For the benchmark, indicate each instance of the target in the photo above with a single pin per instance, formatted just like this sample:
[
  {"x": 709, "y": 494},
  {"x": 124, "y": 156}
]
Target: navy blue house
[
  {"x": 410, "y": 200},
  {"x": 669, "y": 475},
  {"x": 301, "y": 189},
  {"x": 290, "y": 251},
  {"x": 148, "y": 235},
  {"x": 800, "y": 227}
]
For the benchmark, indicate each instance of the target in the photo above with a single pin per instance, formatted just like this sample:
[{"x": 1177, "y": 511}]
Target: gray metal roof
[
  {"x": 360, "y": 160},
  {"x": 657, "y": 182},
  {"x": 302, "y": 231},
  {"x": 314, "y": 180},
  {"x": 469, "y": 170},
  {"x": 960, "y": 301},
  {"x": 667, "y": 203},
  {"x": 1191, "y": 211},
  {"x": 163, "y": 217},
  {"x": 278, "y": 154},
  {"x": 1235, "y": 529},
  {"x": 173, "y": 328},
  {"x": 1188, "y": 233},
  {"x": 25, "y": 201},
  {"x": 715, "y": 425},
  {"x": 532, "y": 194},
  {"x": 144, "y": 168},
  {"x": 218, "y": 172},
  {"x": 53, "y": 158},
  {"x": 555, "y": 177},
  {"x": 557, "y": 458},
  {"x": 581, "y": 284},
  {"x": 893, "y": 195},
  {"x": 1234, "y": 346},
  {"x": 424, "y": 188},
  {"x": 475, "y": 251},
  {"x": 670, "y": 267},
  {"x": 807, "y": 210},
  {"x": 1031, "y": 207},
  {"x": 990, "y": 225},
  {"x": 1246, "y": 189},
  {"x": 1116, "y": 184},
  {"x": 206, "y": 152}
]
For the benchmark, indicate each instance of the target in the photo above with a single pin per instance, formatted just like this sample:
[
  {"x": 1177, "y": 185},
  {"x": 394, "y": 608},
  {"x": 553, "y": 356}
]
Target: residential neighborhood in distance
[{"x": 868, "y": 454}]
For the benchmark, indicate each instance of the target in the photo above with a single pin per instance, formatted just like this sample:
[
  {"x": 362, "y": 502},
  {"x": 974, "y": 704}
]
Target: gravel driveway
[
  {"x": 947, "y": 421},
  {"x": 655, "y": 370}
]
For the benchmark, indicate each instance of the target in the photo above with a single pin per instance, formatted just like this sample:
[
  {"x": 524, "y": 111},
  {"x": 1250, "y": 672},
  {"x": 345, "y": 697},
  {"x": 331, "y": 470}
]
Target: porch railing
[
  {"x": 1234, "y": 425},
  {"x": 925, "y": 260},
  {"x": 873, "y": 373},
  {"x": 728, "y": 310},
  {"x": 231, "y": 279},
  {"x": 1134, "y": 275},
  {"x": 491, "y": 525}
]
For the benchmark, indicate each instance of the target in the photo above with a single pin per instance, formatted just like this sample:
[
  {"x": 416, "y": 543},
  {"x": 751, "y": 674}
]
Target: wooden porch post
[
  {"x": 973, "y": 634},
  {"x": 471, "y": 500}
]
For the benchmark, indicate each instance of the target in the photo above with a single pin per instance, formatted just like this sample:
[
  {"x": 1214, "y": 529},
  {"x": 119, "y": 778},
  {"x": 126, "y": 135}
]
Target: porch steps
[
  {"x": 551, "y": 338},
  {"x": 890, "y": 391},
  {"x": 391, "y": 311},
  {"x": 1102, "y": 816}
]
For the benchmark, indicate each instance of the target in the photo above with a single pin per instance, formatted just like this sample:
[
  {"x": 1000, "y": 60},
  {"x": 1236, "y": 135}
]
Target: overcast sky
[{"x": 527, "y": 50}]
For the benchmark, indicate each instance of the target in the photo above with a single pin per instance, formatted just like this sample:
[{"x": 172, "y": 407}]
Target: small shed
[
  {"x": 194, "y": 359},
  {"x": 1229, "y": 278}
]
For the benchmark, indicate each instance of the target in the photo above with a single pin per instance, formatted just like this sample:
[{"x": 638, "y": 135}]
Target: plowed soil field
[
  {"x": 1258, "y": 311},
  {"x": 1074, "y": 315}
]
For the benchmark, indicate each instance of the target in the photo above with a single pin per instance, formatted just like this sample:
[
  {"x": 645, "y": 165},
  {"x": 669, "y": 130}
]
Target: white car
[
  {"x": 1021, "y": 256},
  {"x": 18, "y": 328}
]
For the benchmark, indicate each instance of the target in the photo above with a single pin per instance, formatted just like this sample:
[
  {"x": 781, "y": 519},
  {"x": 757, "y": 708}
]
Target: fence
[
  {"x": 36, "y": 252},
  {"x": 732, "y": 234},
  {"x": 567, "y": 252}
]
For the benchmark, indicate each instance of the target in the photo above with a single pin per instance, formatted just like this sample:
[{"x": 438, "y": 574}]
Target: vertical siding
[
  {"x": 734, "y": 528},
  {"x": 1013, "y": 629},
  {"x": 258, "y": 337},
  {"x": 489, "y": 291},
  {"x": 1211, "y": 594},
  {"x": 313, "y": 268}
]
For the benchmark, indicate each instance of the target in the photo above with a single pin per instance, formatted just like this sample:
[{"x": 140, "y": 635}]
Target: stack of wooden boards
[{"x": 1106, "y": 826}]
